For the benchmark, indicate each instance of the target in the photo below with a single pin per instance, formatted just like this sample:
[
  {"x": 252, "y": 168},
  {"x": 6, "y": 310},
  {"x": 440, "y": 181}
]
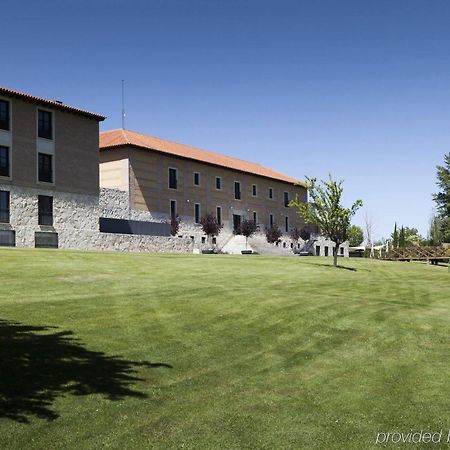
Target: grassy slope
[{"x": 266, "y": 352}]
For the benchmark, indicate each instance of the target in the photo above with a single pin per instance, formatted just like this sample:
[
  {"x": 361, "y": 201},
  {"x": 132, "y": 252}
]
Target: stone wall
[{"x": 76, "y": 220}]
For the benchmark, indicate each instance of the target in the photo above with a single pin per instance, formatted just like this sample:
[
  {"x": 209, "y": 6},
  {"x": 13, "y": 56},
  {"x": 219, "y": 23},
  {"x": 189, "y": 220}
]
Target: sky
[{"x": 358, "y": 89}]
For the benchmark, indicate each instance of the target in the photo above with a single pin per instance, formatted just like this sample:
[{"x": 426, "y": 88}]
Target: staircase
[
  {"x": 309, "y": 246},
  {"x": 260, "y": 245},
  {"x": 235, "y": 245}
]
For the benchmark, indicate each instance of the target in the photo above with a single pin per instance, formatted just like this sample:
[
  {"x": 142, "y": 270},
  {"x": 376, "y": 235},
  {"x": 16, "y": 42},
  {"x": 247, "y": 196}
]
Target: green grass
[{"x": 206, "y": 351}]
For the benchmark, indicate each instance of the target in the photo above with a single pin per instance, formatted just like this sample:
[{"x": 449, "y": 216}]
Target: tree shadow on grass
[
  {"x": 37, "y": 365},
  {"x": 352, "y": 269}
]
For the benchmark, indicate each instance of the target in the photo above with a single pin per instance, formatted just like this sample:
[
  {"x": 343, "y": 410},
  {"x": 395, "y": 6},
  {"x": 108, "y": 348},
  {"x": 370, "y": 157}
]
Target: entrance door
[{"x": 236, "y": 224}]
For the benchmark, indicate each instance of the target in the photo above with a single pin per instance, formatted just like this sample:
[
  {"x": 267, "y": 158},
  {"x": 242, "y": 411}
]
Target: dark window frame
[
  {"x": 254, "y": 190},
  {"x": 237, "y": 190},
  {"x": 45, "y": 210},
  {"x": 173, "y": 178},
  {"x": 255, "y": 217},
  {"x": 271, "y": 221},
  {"x": 5, "y": 206},
  {"x": 45, "y": 124},
  {"x": 173, "y": 209},
  {"x": 5, "y": 115},
  {"x": 5, "y": 161},
  {"x": 270, "y": 193},
  {"x": 219, "y": 214},
  {"x": 286, "y": 224},
  {"x": 286, "y": 199},
  {"x": 45, "y": 170},
  {"x": 197, "y": 212},
  {"x": 196, "y": 178},
  {"x": 219, "y": 183}
]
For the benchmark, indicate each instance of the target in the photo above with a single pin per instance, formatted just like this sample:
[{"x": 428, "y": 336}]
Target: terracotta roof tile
[
  {"x": 120, "y": 138},
  {"x": 52, "y": 103}
]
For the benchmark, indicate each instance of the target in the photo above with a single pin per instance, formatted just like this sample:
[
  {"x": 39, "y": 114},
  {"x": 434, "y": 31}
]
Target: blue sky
[{"x": 359, "y": 89}]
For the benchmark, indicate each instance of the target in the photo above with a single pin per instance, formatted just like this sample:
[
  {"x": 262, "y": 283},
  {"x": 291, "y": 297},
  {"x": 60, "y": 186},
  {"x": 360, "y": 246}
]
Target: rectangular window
[
  {"x": 7, "y": 238},
  {"x": 326, "y": 251},
  {"x": 45, "y": 125},
  {"x": 4, "y": 206},
  {"x": 270, "y": 193},
  {"x": 45, "y": 210},
  {"x": 197, "y": 213},
  {"x": 196, "y": 179},
  {"x": 255, "y": 217},
  {"x": 218, "y": 183},
  {"x": 45, "y": 239},
  {"x": 254, "y": 190},
  {"x": 219, "y": 215},
  {"x": 271, "y": 220},
  {"x": 317, "y": 250},
  {"x": 173, "y": 208},
  {"x": 286, "y": 199},
  {"x": 286, "y": 224},
  {"x": 173, "y": 178},
  {"x": 4, "y": 115},
  {"x": 4, "y": 161},
  {"x": 45, "y": 168},
  {"x": 342, "y": 250},
  {"x": 237, "y": 190}
]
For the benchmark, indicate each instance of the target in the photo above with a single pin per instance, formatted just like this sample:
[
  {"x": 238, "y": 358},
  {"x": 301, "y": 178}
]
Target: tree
[
  {"x": 174, "y": 225},
  {"x": 210, "y": 226},
  {"x": 412, "y": 237},
  {"x": 273, "y": 234},
  {"x": 442, "y": 198},
  {"x": 326, "y": 211},
  {"x": 305, "y": 233},
  {"x": 248, "y": 229},
  {"x": 355, "y": 236},
  {"x": 395, "y": 236},
  {"x": 295, "y": 235},
  {"x": 401, "y": 238},
  {"x": 435, "y": 234},
  {"x": 369, "y": 226}
]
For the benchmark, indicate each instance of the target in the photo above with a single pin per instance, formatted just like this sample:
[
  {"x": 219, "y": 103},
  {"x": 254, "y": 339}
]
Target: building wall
[
  {"x": 148, "y": 188},
  {"x": 75, "y": 147}
]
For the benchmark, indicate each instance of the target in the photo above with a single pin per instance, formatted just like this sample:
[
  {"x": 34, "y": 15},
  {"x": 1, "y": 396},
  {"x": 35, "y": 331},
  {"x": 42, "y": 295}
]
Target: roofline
[
  {"x": 45, "y": 102},
  {"x": 142, "y": 147}
]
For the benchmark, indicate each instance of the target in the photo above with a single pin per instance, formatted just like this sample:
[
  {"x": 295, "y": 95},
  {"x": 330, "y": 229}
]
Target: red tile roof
[
  {"x": 120, "y": 138},
  {"x": 52, "y": 103}
]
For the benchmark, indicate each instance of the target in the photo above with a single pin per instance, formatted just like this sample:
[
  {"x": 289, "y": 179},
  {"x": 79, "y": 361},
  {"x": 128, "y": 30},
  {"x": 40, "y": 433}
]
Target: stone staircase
[
  {"x": 260, "y": 245},
  {"x": 235, "y": 245}
]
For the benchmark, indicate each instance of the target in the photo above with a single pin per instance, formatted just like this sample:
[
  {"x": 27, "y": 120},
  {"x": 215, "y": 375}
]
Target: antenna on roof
[{"x": 123, "y": 104}]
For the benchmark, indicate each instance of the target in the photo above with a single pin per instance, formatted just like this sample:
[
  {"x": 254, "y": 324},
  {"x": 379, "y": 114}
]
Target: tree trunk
[{"x": 335, "y": 254}]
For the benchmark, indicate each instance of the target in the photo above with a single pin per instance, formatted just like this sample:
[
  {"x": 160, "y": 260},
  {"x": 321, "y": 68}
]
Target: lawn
[{"x": 219, "y": 352}]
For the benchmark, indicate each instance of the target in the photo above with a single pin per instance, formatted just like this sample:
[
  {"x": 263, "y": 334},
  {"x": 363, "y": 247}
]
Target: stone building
[
  {"x": 63, "y": 185},
  {"x": 49, "y": 169},
  {"x": 162, "y": 178}
]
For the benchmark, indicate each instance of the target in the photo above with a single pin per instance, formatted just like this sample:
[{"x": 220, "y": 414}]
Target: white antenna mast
[{"x": 123, "y": 104}]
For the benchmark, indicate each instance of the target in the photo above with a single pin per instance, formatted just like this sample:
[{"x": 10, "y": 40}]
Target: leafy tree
[
  {"x": 326, "y": 211},
  {"x": 442, "y": 198},
  {"x": 174, "y": 225},
  {"x": 248, "y": 229},
  {"x": 355, "y": 236},
  {"x": 273, "y": 234},
  {"x": 210, "y": 226},
  {"x": 395, "y": 236},
  {"x": 401, "y": 238},
  {"x": 412, "y": 237},
  {"x": 295, "y": 235},
  {"x": 305, "y": 233}
]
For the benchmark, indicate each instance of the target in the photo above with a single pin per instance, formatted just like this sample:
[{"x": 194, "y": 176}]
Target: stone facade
[{"x": 76, "y": 220}]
